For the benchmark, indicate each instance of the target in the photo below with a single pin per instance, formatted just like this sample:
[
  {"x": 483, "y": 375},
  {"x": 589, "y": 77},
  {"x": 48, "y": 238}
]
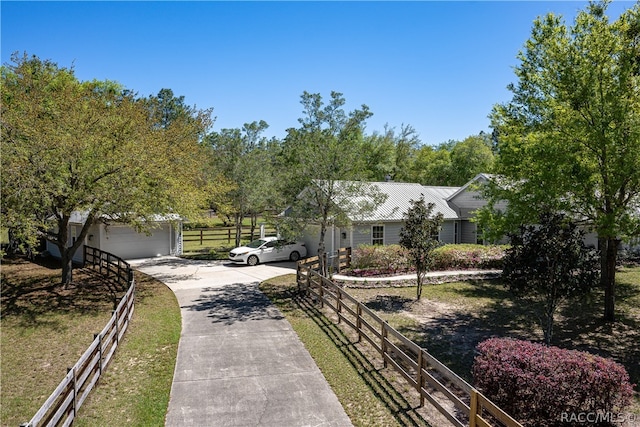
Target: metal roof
[{"x": 399, "y": 196}]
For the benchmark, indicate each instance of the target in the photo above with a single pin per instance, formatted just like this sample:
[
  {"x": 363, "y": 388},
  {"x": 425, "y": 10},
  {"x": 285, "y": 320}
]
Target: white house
[
  {"x": 382, "y": 226},
  {"x": 165, "y": 238}
]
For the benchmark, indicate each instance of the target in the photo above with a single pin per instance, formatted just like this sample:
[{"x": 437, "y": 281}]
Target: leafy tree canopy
[
  {"x": 569, "y": 140},
  {"x": 322, "y": 164},
  {"x": 92, "y": 147},
  {"x": 245, "y": 159}
]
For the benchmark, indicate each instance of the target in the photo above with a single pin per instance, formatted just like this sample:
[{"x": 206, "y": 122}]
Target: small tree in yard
[
  {"x": 548, "y": 264},
  {"x": 416, "y": 235}
]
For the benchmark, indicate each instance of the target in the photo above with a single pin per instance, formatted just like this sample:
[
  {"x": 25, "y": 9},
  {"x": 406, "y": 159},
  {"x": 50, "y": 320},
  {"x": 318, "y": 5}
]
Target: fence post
[
  {"x": 359, "y": 321},
  {"x": 75, "y": 390},
  {"x": 348, "y": 264},
  {"x": 473, "y": 411},
  {"x": 115, "y": 315},
  {"x": 419, "y": 379},
  {"x": 339, "y": 304},
  {"x": 99, "y": 338},
  {"x": 384, "y": 343}
]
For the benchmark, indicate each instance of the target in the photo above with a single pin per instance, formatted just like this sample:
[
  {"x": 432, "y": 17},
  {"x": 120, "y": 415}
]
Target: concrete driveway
[{"x": 239, "y": 361}]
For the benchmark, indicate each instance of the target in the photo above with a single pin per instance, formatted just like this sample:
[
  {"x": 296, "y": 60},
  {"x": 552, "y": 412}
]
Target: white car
[{"x": 268, "y": 249}]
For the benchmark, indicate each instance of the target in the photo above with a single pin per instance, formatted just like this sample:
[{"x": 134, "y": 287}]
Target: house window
[{"x": 377, "y": 235}]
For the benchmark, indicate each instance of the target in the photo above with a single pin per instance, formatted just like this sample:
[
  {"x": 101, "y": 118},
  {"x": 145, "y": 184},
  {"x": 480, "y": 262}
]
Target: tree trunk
[
  {"x": 609, "y": 254},
  {"x": 548, "y": 325},
  {"x": 238, "y": 221},
  {"x": 419, "y": 279},
  {"x": 321, "y": 250},
  {"x": 67, "y": 266},
  {"x": 254, "y": 223}
]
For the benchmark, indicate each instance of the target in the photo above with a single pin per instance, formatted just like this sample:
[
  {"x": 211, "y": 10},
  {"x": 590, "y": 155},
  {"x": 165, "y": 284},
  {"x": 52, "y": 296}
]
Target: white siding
[
  {"x": 332, "y": 239},
  {"x": 126, "y": 243},
  {"x": 92, "y": 239}
]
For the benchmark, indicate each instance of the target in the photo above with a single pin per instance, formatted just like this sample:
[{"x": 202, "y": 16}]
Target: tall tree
[
  {"x": 470, "y": 157},
  {"x": 242, "y": 157},
  {"x": 569, "y": 140},
  {"x": 417, "y": 236},
  {"x": 90, "y": 147},
  {"x": 325, "y": 164},
  {"x": 432, "y": 166}
]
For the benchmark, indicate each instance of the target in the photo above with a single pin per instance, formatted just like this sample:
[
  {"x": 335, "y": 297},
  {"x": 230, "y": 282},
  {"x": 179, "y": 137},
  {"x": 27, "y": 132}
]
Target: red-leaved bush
[{"x": 537, "y": 384}]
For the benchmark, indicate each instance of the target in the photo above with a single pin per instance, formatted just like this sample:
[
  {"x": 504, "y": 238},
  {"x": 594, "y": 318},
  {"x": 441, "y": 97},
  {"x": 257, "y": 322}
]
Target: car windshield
[{"x": 256, "y": 244}]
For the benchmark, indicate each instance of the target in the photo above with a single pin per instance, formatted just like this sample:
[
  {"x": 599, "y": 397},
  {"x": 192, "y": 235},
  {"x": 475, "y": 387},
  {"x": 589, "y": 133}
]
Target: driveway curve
[{"x": 239, "y": 361}]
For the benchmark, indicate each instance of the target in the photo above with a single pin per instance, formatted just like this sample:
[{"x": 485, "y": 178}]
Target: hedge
[
  {"x": 543, "y": 386},
  {"x": 468, "y": 256},
  {"x": 369, "y": 260}
]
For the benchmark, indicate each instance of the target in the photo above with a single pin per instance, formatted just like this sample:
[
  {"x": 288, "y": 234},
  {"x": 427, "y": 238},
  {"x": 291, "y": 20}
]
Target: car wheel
[
  {"x": 295, "y": 256},
  {"x": 252, "y": 260}
]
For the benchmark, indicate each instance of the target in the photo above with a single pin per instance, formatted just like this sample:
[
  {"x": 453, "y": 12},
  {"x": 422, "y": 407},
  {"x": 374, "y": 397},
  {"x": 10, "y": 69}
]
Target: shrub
[
  {"x": 537, "y": 384},
  {"x": 468, "y": 256},
  {"x": 390, "y": 259},
  {"x": 377, "y": 259}
]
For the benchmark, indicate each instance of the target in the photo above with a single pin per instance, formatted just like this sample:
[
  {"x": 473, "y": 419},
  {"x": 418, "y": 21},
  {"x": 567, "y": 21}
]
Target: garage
[
  {"x": 165, "y": 238},
  {"x": 126, "y": 243}
]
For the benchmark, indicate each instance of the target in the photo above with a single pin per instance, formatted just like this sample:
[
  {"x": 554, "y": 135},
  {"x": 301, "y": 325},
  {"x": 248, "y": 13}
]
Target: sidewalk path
[
  {"x": 430, "y": 274},
  {"x": 239, "y": 361}
]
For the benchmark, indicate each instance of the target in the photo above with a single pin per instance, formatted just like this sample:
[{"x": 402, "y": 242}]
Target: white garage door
[{"x": 126, "y": 243}]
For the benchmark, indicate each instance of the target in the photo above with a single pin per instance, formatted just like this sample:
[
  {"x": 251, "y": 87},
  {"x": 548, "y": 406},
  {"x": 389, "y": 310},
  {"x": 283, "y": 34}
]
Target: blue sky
[{"x": 437, "y": 66}]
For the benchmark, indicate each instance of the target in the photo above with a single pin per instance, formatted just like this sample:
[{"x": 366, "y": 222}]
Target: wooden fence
[
  {"x": 219, "y": 234},
  {"x": 340, "y": 261},
  {"x": 454, "y": 398},
  {"x": 109, "y": 266},
  {"x": 61, "y": 407}
]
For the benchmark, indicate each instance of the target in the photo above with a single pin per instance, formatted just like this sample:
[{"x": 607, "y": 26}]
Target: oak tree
[
  {"x": 569, "y": 140},
  {"x": 91, "y": 148},
  {"x": 324, "y": 167}
]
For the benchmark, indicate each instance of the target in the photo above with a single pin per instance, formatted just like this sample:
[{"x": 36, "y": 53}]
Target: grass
[
  {"x": 452, "y": 318},
  {"x": 46, "y": 328},
  {"x": 368, "y": 398},
  {"x": 53, "y": 326},
  {"x": 219, "y": 248},
  {"x": 135, "y": 388}
]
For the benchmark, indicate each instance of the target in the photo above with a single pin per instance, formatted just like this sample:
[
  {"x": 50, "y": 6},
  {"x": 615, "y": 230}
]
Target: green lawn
[
  {"x": 135, "y": 389},
  {"x": 46, "y": 328},
  {"x": 54, "y": 326}
]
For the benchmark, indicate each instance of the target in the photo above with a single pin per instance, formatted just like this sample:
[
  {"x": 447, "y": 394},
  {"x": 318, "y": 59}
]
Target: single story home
[
  {"x": 382, "y": 226},
  {"x": 124, "y": 241}
]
